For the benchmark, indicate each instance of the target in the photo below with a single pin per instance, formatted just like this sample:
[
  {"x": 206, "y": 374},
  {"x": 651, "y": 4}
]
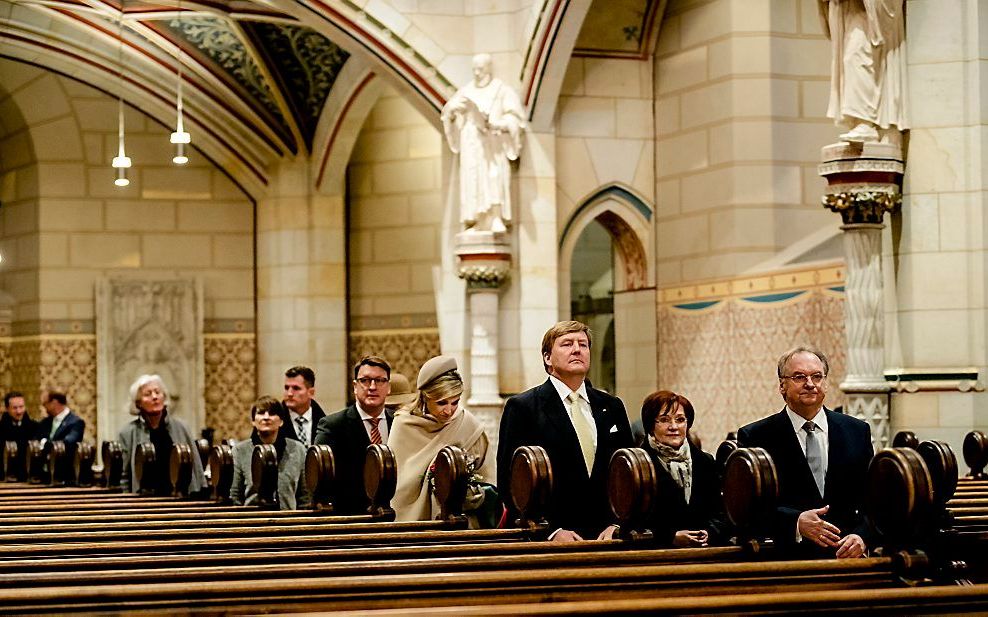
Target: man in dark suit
[
  {"x": 822, "y": 460},
  {"x": 304, "y": 412},
  {"x": 17, "y": 426},
  {"x": 61, "y": 424},
  {"x": 579, "y": 427},
  {"x": 350, "y": 431}
]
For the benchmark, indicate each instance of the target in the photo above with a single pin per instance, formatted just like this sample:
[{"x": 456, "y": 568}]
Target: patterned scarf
[{"x": 678, "y": 462}]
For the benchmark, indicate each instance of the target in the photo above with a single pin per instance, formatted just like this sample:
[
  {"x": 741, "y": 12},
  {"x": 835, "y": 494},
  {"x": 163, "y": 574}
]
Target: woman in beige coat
[{"x": 422, "y": 428}]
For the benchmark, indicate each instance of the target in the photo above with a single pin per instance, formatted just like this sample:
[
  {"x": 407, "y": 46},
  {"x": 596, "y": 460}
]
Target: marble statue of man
[
  {"x": 483, "y": 123},
  {"x": 868, "y": 70}
]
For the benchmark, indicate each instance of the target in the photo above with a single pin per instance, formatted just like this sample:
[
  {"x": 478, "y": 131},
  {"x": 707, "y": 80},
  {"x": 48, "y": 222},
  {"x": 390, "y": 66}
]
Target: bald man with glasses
[{"x": 822, "y": 460}]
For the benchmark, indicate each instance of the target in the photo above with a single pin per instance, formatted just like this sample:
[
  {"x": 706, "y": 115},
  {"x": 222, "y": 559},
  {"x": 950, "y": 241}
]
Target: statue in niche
[
  {"x": 483, "y": 123},
  {"x": 868, "y": 68}
]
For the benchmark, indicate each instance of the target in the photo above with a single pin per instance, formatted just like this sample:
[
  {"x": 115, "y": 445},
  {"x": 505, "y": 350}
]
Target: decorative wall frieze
[{"x": 830, "y": 275}]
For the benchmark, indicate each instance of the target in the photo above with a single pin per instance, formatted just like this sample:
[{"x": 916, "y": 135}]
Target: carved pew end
[
  {"x": 452, "y": 479},
  {"x": 59, "y": 463},
  {"x": 724, "y": 452},
  {"x": 320, "y": 476},
  {"x": 82, "y": 464},
  {"x": 221, "y": 472},
  {"x": 751, "y": 491},
  {"x": 264, "y": 475},
  {"x": 204, "y": 449},
  {"x": 905, "y": 439},
  {"x": 531, "y": 487},
  {"x": 112, "y": 456},
  {"x": 632, "y": 492},
  {"x": 145, "y": 458},
  {"x": 13, "y": 462},
  {"x": 380, "y": 481},
  {"x": 180, "y": 469},
  {"x": 35, "y": 459},
  {"x": 899, "y": 495},
  {"x": 941, "y": 462},
  {"x": 976, "y": 454}
]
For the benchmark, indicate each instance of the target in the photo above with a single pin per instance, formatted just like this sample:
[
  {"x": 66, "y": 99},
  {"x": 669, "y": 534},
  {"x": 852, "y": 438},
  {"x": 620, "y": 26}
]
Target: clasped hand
[{"x": 811, "y": 526}]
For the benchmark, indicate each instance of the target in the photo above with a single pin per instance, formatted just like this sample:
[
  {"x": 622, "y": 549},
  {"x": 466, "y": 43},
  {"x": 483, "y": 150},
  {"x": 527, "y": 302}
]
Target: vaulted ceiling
[{"x": 258, "y": 74}]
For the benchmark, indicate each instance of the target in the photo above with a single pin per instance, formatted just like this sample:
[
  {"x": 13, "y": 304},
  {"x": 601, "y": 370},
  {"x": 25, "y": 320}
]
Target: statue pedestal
[
  {"x": 863, "y": 183},
  {"x": 484, "y": 263}
]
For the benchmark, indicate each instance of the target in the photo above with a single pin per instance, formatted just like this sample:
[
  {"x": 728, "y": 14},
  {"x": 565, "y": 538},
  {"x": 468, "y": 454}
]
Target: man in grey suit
[{"x": 350, "y": 431}]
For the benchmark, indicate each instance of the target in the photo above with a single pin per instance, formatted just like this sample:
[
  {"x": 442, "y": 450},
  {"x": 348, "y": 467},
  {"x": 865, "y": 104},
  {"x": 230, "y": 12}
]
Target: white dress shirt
[
  {"x": 823, "y": 432},
  {"x": 564, "y": 392}
]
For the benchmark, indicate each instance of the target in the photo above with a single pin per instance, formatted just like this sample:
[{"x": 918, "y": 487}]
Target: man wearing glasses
[
  {"x": 821, "y": 457},
  {"x": 349, "y": 431}
]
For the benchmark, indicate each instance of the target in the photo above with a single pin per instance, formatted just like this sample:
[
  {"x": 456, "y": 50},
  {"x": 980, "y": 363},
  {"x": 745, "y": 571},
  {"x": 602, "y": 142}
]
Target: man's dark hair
[
  {"x": 372, "y": 361},
  {"x": 306, "y": 373},
  {"x": 10, "y": 395},
  {"x": 54, "y": 395}
]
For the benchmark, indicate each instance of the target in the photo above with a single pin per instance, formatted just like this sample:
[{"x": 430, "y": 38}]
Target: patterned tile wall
[
  {"x": 31, "y": 364},
  {"x": 722, "y": 356},
  {"x": 405, "y": 351},
  {"x": 231, "y": 384}
]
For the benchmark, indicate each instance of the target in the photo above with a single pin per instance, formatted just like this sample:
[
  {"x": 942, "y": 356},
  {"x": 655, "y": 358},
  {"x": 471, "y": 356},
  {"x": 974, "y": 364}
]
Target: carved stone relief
[{"x": 149, "y": 327}]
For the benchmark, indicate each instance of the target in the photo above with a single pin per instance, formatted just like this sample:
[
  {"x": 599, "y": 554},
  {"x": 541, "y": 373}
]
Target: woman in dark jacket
[{"x": 690, "y": 510}]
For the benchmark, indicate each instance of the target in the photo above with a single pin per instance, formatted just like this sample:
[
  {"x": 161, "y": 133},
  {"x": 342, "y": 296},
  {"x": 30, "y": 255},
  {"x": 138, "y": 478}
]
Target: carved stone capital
[
  {"x": 863, "y": 206},
  {"x": 481, "y": 274}
]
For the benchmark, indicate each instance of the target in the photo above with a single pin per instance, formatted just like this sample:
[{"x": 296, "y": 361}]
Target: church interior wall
[
  {"x": 935, "y": 247},
  {"x": 395, "y": 205},
  {"x": 80, "y": 228}
]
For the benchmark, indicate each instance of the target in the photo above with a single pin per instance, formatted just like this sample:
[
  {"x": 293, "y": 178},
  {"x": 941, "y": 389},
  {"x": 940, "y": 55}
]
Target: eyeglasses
[
  {"x": 367, "y": 381},
  {"x": 801, "y": 379}
]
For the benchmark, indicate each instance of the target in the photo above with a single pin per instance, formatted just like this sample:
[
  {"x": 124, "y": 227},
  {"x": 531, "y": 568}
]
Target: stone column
[
  {"x": 863, "y": 183},
  {"x": 484, "y": 262}
]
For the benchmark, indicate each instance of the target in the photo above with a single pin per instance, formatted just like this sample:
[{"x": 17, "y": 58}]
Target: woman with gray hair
[
  {"x": 422, "y": 428},
  {"x": 154, "y": 425}
]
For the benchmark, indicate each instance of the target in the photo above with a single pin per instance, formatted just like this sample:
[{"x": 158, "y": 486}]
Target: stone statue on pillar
[
  {"x": 483, "y": 123},
  {"x": 868, "y": 68}
]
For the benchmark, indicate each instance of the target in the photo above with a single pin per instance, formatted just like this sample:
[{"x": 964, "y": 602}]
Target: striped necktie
[{"x": 375, "y": 434}]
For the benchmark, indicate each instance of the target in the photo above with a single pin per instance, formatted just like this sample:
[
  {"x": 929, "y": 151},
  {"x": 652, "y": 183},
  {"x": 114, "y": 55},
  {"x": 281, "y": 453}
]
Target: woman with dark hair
[
  {"x": 690, "y": 510},
  {"x": 267, "y": 414}
]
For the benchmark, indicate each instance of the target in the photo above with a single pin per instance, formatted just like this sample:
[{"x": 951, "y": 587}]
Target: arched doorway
[
  {"x": 592, "y": 298},
  {"x": 606, "y": 279}
]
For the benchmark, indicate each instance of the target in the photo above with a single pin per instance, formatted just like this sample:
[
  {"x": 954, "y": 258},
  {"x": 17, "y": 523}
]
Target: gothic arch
[{"x": 628, "y": 220}]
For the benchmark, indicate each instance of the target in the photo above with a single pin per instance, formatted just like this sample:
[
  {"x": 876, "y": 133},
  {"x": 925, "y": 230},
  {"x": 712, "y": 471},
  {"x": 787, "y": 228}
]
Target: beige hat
[
  {"x": 401, "y": 391},
  {"x": 434, "y": 368}
]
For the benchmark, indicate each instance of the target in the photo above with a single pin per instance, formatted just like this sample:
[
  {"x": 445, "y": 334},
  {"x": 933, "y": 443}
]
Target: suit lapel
[
  {"x": 601, "y": 415},
  {"x": 837, "y": 448},
  {"x": 792, "y": 453},
  {"x": 562, "y": 426}
]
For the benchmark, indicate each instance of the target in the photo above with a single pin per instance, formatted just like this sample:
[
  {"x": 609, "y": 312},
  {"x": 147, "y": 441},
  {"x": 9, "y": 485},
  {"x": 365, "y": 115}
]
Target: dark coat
[
  {"x": 70, "y": 430},
  {"x": 849, "y": 455},
  {"x": 27, "y": 431},
  {"x": 705, "y": 509},
  {"x": 344, "y": 432},
  {"x": 288, "y": 428},
  {"x": 537, "y": 417}
]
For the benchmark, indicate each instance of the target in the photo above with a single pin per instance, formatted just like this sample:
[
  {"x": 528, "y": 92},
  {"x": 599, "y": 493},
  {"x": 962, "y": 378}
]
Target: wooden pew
[{"x": 560, "y": 583}]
